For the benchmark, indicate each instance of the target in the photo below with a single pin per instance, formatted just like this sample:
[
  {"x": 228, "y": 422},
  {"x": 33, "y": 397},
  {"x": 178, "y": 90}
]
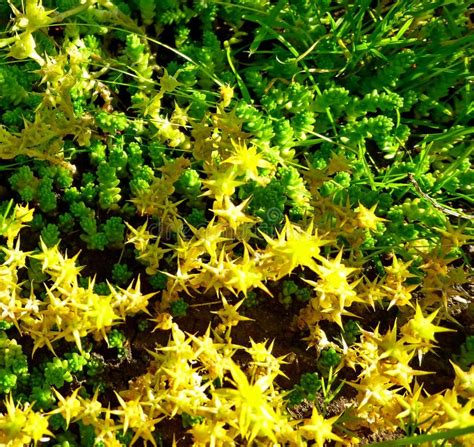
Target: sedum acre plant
[{"x": 236, "y": 223}]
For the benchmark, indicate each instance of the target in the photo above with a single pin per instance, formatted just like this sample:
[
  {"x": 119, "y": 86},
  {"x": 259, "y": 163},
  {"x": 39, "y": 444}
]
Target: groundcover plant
[{"x": 236, "y": 223}]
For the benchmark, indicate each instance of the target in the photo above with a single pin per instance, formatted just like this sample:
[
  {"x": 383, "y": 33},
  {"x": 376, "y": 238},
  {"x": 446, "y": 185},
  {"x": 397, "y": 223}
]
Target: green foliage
[
  {"x": 143, "y": 325},
  {"x": 158, "y": 281},
  {"x": 57, "y": 422},
  {"x": 114, "y": 230},
  {"x": 30, "y": 188},
  {"x": 46, "y": 196},
  {"x": 291, "y": 290},
  {"x": 137, "y": 55},
  {"x": 50, "y": 235},
  {"x": 95, "y": 365},
  {"x": 307, "y": 389},
  {"x": 189, "y": 184},
  {"x": 109, "y": 190},
  {"x": 15, "y": 84},
  {"x": 351, "y": 331},
  {"x": 76, "y": 361},
  {"x": 251, "y": 300},
  {"x": 197, "y": 218},
  {"x": 121, "y": 274},
  {"x": 13, "y": 363},
  {"x": 57, "y": 372},
  {"x": 179, "y": 308},
  {"x": 268, "y": 203},
  {"x": 101, "y": 288},
  {"x": 97, "y": 152},
  {"x": 328, "y": 359},
  {"x": 66, "y": 222},
  {"x": 25, "y": 183},
  {"x": 295, "y": 189},
  {"x": 87, "y": 435},
  {"x": 43, "y": 397},
  {"x": 5, "y": 325},
  {"x": 135, "y": 158},
  {"x": 125, "y": 438},
  {"x": 116, "y": 340},
  {"x": 157, "y": 153},
  {"x": 111, "y": 122},
  {"x": 465, "y": 358},
  {"x": 189, "y": 421}
]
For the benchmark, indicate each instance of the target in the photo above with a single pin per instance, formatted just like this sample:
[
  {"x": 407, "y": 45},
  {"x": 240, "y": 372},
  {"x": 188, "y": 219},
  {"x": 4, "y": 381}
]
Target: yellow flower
[
  {"x": 372, "y": 292},
  {"x": 400, "y": 294},
  {"x": 214, "y": 273},
  {"x": 163, "y": 320},
  {"x": 366, "y": 218},
  {"x": 398, "y": 271},
  {"x": 461, "y": 416},
  {"x": 63, "y": 270},
  {"x": 208, "y": 238},
  {"x": 30, "y": 20},
  {"x": 399, "y": 372},
  {"x": 412, "y": 404},
  {"x": 131, "y": 300},
  {"x": 464, "y": 381},
  {"x": 105, "y": 430},
  {"x": 229, "y": 314},
  {"x": 231, "y": 213},
  {"x": 42, "y": 335},
  {"x": 390, "y": 346},
  {"x": 248, "y": 160},
  {"x": 294, "y": 247},
  {"x": 421, "y": 331},
  {"x": 21, "y": 426},
  {"x": 227, "y": 93},
  {"x": 255, "y": 414},
  {"x": 140, "y": 237},
  {"x": 133, "y": 415},
  {"x": 334, "y": 280},
  {"x": 15, "y": 256},
  {"x": 211, "y": 433},
  {"x": 68, "y": 407},
  {"x": 374, "y": 390},
  {"x": 91, "y": 409},
  {"x": 152, "y": 255},
  {"x": 101, "y": 314},
  {"x": 209, "y": 354},
  {"x": 49, "y": 255},
  {"x": 245, "y": 275},
  {"x": 221, "y": 184},
  {"x": 11, "y": 226},
  {"x": 320, "y": 429},
  {"x": 338, "y": 163},
  {"x": 33, "y": 17},
  {"x": 264, "y": 360}
]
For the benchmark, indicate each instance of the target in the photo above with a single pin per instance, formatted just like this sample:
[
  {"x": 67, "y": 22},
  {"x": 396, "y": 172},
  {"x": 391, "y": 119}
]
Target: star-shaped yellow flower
[
  {"x": 366, "y": 218},
  {"x": 231, "y": 213},
  {"x": 248, "y": 160},
  {"x": 320, "y": 429},
  {"x": 461, "y": 416},
  {"x": 294, "y": 247},
  {"x": 229, "y": 313},
  {"x": 245, "y": 275},
  {"x": 464, "y": 381},
  {"x": 420, "y": 330},
  {"x": 68, "y": 407},
  {"x": 222, "y": 184}
]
